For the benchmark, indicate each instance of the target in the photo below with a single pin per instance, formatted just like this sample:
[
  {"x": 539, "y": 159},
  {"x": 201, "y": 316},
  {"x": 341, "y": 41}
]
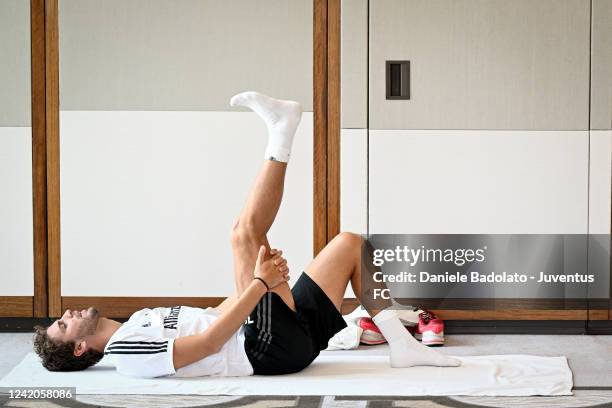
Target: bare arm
[
  {"x": 223, "y": 306},
  {"x": 192, "y": 348},
  {"x": 189, "y": 349}
]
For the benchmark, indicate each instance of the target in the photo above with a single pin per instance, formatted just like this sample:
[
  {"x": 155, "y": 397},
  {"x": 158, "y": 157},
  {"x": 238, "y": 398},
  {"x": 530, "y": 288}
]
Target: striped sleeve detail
[
  {"x": 142, "y": 358},
  {"x": 136, "y": 347}
]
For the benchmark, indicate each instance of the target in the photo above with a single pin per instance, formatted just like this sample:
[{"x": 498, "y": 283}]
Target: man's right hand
[{"x": 274, "y": 270}]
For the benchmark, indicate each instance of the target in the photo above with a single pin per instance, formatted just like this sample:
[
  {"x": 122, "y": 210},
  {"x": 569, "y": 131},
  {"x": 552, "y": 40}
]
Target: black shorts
[{"x": 281, "y": 341}]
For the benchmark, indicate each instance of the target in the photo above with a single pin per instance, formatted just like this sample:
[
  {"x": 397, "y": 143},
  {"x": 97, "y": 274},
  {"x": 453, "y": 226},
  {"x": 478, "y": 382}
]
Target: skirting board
[
  {"x": 26, "y": 324},
  {"x": 450, "y": 309},
  {"x": 16, "y": 306}
]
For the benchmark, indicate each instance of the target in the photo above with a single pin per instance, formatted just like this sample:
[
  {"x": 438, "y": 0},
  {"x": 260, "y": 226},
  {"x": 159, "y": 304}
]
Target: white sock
[
  {"x": 281, "y": 117},
  {"x": 406, "y": 351}
]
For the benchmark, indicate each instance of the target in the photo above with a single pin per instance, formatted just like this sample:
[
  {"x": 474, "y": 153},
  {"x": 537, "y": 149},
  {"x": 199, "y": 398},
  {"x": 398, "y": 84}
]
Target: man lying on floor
[{"x": 266, "y": 328}]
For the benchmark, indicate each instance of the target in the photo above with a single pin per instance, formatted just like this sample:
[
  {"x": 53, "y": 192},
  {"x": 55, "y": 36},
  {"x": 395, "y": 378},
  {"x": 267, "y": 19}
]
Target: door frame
[
  {"x": 326, "y": 107},
  {"x": 45, "y": 165},
  {"x": 45, "y": 156},
  {"x": 47, "y": 300}
]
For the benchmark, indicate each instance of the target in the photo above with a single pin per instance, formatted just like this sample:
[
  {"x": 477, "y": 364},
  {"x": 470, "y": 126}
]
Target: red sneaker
[
  {"x": 371, "y": 333},
  {"x": 430, "y": 329}
]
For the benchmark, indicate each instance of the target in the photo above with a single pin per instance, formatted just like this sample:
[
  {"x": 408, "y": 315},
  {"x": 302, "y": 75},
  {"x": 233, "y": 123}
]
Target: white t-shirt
[{"x": 142, "y": 346}]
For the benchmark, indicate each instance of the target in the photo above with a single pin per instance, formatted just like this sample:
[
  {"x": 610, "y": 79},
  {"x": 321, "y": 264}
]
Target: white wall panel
[
  {"x": 446, "y": 182},
  {"x": 354, "y": 180},
  {"x": 353, "y": 184},
  {"x": 601, "y": 182},
  {"x": 148, "y": 200},
  {"x": 16, "y": 229}
]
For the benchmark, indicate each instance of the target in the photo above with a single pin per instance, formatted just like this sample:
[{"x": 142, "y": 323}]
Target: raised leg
[{"x": 249, "y": 231}]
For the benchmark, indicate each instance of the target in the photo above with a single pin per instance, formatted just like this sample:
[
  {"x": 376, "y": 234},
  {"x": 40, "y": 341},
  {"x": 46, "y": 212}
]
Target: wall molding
[
  {"x": 333, "y": 117},
  {"x": 26, "y": 324},
  {"x": 39, "y": 154},
  {"x": 53, "y": 152},
  {"x": 326, "y": 108},
  {"x": 448, "y": 309},
  {"x": 45, "y": 156}
]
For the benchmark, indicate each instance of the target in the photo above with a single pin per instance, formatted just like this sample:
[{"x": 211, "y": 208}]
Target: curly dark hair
[{"x": 59, "y": 356}]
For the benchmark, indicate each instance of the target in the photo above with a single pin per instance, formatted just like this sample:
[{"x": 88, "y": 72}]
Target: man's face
[{"x": 74, "y": 325}]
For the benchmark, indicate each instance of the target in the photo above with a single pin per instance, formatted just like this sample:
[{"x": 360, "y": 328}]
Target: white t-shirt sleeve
[{"x": 144, "y": 357}]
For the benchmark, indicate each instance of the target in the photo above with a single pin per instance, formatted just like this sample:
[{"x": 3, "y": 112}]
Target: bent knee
[{"x": 349, "y": 239}]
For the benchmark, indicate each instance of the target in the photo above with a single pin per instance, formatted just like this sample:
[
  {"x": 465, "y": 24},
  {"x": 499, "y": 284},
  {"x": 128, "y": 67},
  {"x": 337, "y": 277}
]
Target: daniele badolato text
[
  {"x": 479, "y": 277},
  {"x": 459, "y": 257}
]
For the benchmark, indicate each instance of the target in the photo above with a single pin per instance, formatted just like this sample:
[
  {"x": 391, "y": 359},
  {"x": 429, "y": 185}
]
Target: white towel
[{"x": 332, "y": 373}]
